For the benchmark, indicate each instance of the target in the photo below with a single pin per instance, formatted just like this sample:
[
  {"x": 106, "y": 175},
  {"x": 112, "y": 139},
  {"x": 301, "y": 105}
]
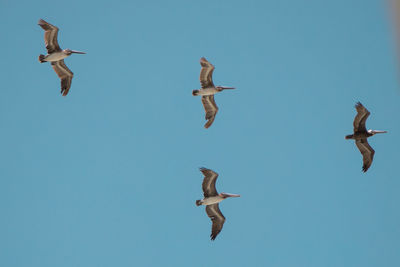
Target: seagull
[
  {"x": 208, "y": 90},
  {"x": 56, "y": 55},
  {"x": 361, "y": 134},
  {"x": 211, "y": 200}
]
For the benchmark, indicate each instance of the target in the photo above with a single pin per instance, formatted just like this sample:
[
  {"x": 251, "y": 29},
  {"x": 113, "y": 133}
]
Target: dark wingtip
[
  {"x": 208, "y": 123},
  {"x": 203, "y": 169},
  {"x": 42, "y": 22},
  {"x": 365, "y": 169},
  {"x": 64, "y": 92}
]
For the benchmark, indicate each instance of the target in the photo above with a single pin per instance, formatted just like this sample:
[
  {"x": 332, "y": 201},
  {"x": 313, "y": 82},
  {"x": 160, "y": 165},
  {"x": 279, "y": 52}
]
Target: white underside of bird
[
  {"x": 56, "y": 56},
  {"x": 211, "y": 200},
  {"x": 207, "y": 91}
]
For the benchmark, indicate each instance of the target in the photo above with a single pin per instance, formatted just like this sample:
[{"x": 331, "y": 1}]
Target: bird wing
[
  {"x": 367, "y": 151},
  {"x": 210, "y": 177},
  {"x": 211, "y": 109},
  {"x": 206, "y": 73},
  {"x": 217, "y": 219},
  {"x": 64, "y": 74},
  {"x": 50, "y": 36},
  {"x": 361, "y": 118}
]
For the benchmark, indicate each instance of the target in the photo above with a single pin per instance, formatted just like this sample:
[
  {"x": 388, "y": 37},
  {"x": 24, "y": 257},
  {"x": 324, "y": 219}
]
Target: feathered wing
[
  {"x": 206, "y": 73},
  {"x": 208, "y": 185},
  {"x": 210, "y": 108},
  {"x": 367, "y": 152},
  {"x": 50, "y": 36},
  {"x": 217, "y": 219},
  {"x": 64, "y": 74},
  {"x": 361, "y": 118}
]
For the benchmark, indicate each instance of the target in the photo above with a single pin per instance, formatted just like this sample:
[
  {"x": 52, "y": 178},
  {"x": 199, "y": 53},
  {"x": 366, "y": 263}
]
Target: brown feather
[
  {"x": 206, "y": 73},
  {"x": 210, "y": 108},
  {"x": 367, "y": 152},
  {"x": 210, "y": 177},
  {"x": 217, "y": 219},
  {"x": 50, "y": 36},
  {"x": 361, "y": 118},
  {"x": 64, "y": 74}
]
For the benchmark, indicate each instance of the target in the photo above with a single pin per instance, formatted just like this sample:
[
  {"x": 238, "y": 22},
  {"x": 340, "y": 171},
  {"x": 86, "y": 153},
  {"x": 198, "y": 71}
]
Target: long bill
[
  {"x": 230, "y": 195},
  {"x": 376, "y": 131},
  {"x": 77, "y": 52},
  {"x": 227, "y": 87}
]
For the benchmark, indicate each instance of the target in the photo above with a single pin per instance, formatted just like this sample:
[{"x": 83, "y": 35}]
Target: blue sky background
[{"x": 108, "y": 176}]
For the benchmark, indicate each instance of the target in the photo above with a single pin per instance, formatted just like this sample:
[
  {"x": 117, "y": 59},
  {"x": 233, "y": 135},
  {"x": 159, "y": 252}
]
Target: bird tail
[
  {"x": 41, "y": 58},
  {"x": 198, "y": 202},
  {"x": 195, "y": 92},
  {"x": 350, "y": 136}
]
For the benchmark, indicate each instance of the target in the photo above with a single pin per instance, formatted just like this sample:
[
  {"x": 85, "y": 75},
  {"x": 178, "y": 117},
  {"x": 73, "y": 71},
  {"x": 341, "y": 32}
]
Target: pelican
[
  {"x": 56, "y": 55},
  {"x": 211, "y": 200},
  {"x": 361, "y": 134},
  {"x": 208, "y": 90}
]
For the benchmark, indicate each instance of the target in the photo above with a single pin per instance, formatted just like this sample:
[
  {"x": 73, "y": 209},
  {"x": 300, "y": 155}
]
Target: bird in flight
[
  {"x": 56, "y": 55},
  {"x": 211, "y": 200},
  {"x": 361, "y": 134},
  {"x": 208, "y": 90}
]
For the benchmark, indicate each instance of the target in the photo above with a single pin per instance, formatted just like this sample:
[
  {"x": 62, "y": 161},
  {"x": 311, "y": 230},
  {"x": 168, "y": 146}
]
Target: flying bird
[
  {"x": 56, "y": 55},
  {"x": 361, "y": 134},
  {"x": 208, "y": 90},
  {"x": 211, "y": 200}
]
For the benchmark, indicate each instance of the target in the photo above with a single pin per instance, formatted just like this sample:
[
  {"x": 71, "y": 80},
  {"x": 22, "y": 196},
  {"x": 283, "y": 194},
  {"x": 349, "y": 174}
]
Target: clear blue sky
[{"x": 108, "y": 176}]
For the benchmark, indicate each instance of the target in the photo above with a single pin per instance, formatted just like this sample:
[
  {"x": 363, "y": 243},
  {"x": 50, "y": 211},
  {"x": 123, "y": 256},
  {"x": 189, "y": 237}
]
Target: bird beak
[
  {"x": 228, "y": 87},
  {"x": 232, "y": 195},
  {"x": 77, "y": 52},
  {"x": 380, "y": 131}
]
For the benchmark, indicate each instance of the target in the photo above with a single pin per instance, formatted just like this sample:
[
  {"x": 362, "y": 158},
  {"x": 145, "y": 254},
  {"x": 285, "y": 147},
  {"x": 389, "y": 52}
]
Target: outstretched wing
[
  {"x": 50, "y": 36},
  {"x": 64, "y": 74},
  {"x": 361, "y": 118},
  {"x": 210, "y": 108},
  {"x": 206, "y": 73},
  {"x": 367, "y": 153},
  {"x": 210, "y": 177},
  {"x": 217, "y": 219}
]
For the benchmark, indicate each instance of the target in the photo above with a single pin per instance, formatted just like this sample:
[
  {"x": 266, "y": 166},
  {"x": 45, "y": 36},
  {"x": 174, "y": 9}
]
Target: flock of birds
[{"x": 56, "y": 56}]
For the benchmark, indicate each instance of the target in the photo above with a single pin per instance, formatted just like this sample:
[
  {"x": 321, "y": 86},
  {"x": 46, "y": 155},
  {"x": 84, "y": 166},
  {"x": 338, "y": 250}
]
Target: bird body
[
  {"x": 359, "y": 135},
  {"x": 210, "y": 200},
  {"x": 205, "y": 91},
  {"x": 55, "y": 56}
]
